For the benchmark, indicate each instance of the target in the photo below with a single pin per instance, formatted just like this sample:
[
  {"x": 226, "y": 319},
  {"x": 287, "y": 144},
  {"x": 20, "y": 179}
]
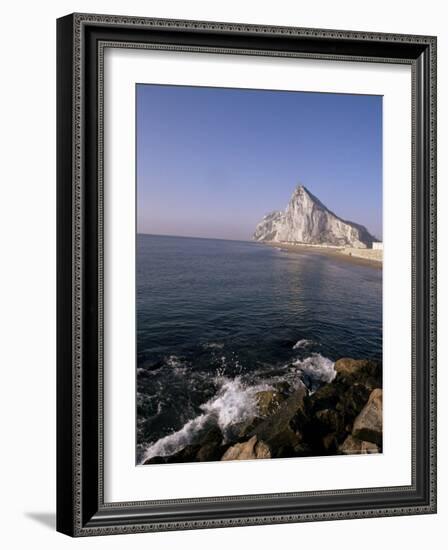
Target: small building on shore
[{"x": 377, "y": 245}]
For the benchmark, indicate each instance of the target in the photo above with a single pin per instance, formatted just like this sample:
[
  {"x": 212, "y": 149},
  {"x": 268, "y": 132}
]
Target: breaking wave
[
  {"x": 302, "y": 344},
  {"x": 234, "y": 403},
  {"x": 315, "y": 370}
]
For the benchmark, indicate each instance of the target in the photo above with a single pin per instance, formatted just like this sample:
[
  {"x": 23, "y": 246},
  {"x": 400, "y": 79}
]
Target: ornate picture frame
[{"x": 81, "y": 506}]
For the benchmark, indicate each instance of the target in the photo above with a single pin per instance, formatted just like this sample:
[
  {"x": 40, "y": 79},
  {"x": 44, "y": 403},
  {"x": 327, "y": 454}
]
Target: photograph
[
  {"x": 230, "y": 221},
  {"x": 259, "y": 263},
  {"x": 246, "y": 273}
]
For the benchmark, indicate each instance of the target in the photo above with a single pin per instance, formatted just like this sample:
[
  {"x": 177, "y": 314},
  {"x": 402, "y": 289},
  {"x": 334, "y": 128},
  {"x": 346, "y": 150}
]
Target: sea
[{"x": 220, "y": 320}]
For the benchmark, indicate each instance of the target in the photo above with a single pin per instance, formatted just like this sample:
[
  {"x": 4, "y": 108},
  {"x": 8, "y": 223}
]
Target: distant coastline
[{"x": 360, "y": 256}]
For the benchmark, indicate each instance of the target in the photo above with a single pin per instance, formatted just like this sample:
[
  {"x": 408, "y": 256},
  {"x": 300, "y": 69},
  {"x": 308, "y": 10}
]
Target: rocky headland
[
  {"x": 343, "y": 416},
  {"x": 306, "y": 222}
]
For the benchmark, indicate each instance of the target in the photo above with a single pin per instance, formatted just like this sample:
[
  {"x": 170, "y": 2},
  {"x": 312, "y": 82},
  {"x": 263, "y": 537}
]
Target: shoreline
[
  {"x": 342, "y": 416},
  {"x": 340, "y": 253}
]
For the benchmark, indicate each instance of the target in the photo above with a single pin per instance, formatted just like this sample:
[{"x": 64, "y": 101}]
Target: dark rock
[
  {"x": 352, "y": 401},
  {"x": 372, "y": 383},
  {"x": 329, "y": 413},
  {"x": 240, "y": 432},
  {"x": 329, "y": 420},
  {"x": 325, "y": 397},
  {"x": 321, "y": 430},
  {"x": 368, "y": 425},
  {"x": 283, "y": 387},
  {"x": 277, "y": 431},
  {"x": 210, "y": 446},
  {"x": 330, "y": 443}
]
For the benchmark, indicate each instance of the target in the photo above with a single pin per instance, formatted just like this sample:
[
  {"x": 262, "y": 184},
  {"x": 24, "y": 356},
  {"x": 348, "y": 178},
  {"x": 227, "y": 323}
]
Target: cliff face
[{"x": 306, "y": 220}]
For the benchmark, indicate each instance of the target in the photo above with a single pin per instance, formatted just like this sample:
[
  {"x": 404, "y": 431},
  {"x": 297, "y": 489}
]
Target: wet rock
[
  {"x": 283, "y": 387},
  {"x": 268, "y": 401},
  {"x": 352, "y": 400},
  {"x": 211, "y": 446},
  {"x": 249, "y": 450},
  {"x": 330, "y": 443},
  {"x": 278, "y": 432},
  {"x": 329, "y": 420},
  {"x": 325, "y": 397},
  {"x": 329, "y": 412},
  {"x": 368, "y": 425},
  {"x": 241, "y": 431},
  {"x": 352, "y": 445},
  {"x": 349, "y": 371},
  {"x": 341, "y": 417}
]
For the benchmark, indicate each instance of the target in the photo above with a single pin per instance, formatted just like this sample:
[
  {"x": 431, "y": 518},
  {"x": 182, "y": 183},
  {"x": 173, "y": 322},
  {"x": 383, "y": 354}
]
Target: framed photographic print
[{"x": 246, "y": 274}]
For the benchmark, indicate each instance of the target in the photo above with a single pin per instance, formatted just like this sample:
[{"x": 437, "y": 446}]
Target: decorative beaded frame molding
[{"x": 82, "y": 38}]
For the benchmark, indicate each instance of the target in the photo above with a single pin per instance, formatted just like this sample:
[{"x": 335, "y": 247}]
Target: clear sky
[{"x": 212, "y": 161}]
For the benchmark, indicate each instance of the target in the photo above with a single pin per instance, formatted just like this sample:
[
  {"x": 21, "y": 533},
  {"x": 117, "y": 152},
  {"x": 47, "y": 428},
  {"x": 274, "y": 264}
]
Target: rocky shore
[{"x": 341, "y": 417}]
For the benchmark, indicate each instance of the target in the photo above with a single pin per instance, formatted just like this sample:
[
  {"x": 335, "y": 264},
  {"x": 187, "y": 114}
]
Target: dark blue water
[{"x": 212, "y": 312}]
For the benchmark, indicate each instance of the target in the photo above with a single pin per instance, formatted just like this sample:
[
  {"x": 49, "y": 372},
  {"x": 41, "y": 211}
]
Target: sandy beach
[{"x": 369, "y": 257}]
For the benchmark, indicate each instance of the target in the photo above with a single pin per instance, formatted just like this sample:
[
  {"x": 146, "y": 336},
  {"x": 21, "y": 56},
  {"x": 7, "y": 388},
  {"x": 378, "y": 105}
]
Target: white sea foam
[
  {"x": 315, "y": 370},
  {"x": 178, "y": 366},
  {"x": 234, "y": 403},
  {"x": 174, "y": 362},
  {"x": 173, "y": 443},
  {"x": 213, "y": 345},
  {"x": 302, "y": 343}
]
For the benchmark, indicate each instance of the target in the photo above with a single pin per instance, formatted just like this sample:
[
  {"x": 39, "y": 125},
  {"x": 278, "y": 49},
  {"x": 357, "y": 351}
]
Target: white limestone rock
[{"x": 307, "y": 221}]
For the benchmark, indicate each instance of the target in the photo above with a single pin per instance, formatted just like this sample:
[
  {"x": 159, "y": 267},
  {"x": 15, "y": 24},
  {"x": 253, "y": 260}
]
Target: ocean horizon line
[{"x": 193, "y": 237}]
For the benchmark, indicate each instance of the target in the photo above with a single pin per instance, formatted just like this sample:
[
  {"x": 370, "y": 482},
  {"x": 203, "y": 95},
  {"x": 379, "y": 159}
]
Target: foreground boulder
[
  {"x": 277, "y": 430},
  {"x": 329, "y": 420},
  {"x": 211, "y": 446},
  {"x": 352, "y": 400},
  {"x": 268, "y": 401},
  {"x": 328, "y": 415},
  {"x": 352, "y": 445},
  {"x": 241, "y": 431},
  {"x": 368, "y": 425},
  {"x": 249, "y": 450},
  {"x": 361, "y": 371}
]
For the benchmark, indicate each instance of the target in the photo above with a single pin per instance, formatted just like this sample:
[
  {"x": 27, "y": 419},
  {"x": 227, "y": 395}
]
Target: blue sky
[{"x": 212, "y": 161}]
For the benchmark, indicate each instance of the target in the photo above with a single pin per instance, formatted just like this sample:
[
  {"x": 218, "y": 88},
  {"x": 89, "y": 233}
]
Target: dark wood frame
[{"x": 81, "y": 39}]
